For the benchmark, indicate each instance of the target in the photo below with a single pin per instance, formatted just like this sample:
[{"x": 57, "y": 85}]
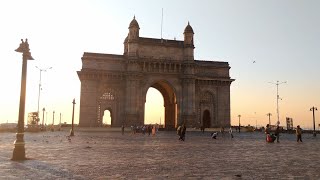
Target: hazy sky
[{"x": 282, "y": 37}]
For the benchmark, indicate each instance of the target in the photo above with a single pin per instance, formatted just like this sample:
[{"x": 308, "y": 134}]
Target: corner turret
[
  {"x": 133, "y": 30},
  {"x": 132, "y": 40},
  {"x": 188, "y": 42}
]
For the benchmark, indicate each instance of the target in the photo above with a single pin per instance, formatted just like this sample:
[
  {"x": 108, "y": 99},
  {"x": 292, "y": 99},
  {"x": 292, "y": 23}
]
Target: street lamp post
[
  {"x": 72, "y": 131},
  {"x": 277, "y": 83},
  {"x": 44, "y": 70},
  {"x": 19, "y": 150},
  {"x": 314, "y": 120},
  {"x": 60, "y": 123},
  {"x": 52, "y": 121},
  {"x": 43, "y": 110},
  {"x": 239, "y": 122},
  {"x": 269, "y": 114},
  {"x": 53, "y": 118}
]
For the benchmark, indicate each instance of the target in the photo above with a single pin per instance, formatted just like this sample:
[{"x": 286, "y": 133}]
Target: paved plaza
[{"x": 110, "y": 155}]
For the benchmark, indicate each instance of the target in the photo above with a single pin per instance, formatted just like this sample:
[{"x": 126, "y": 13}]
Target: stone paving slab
[{"x": 110, "y": 155}]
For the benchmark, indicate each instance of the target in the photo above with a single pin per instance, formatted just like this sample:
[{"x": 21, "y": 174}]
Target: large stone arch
[
  {"x": 119, "y": 83},
  {"x": 170, "y": 97}
]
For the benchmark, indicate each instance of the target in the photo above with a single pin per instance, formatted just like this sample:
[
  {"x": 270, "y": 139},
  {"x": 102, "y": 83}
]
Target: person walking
[
  {"x": 149, "y": 129},
  {"x": 183, "y": 132},
  {"x": 277, "y": 133},
  {"x": 202, "y": 129},
  {"x": 153, "y": 130},
  {"x": 230, "y": 132},
  {"x": 222, "y": 131},
  {"x": 267, "y": 132},
  {"x": 122, "y": 129},
  {"x": 299, "y": 134},
  {"x": 179, "y": 132}
]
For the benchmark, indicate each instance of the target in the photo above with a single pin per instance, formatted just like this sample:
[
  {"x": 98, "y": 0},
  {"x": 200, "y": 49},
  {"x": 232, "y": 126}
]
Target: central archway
[
  {"x": 169, "y": 103},
  {"x": 154, "y": 109}
]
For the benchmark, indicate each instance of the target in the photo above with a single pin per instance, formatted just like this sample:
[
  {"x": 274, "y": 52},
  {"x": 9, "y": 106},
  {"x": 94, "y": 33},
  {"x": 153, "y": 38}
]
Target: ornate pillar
[
  {"x": 188, "y": 115},
  {"x": 132, "y": 101}
]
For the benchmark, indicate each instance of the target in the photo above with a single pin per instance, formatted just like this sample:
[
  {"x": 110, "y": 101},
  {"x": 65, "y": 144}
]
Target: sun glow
[{"x": 154, "y": 109}]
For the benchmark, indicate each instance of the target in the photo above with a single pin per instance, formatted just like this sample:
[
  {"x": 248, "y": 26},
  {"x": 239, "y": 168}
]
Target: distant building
[
  {"x": 195, "y": 92},
  {"x": 8, "y": 125}
]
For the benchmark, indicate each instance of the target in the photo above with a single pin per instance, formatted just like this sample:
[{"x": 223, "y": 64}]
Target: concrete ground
[{"x": 106, "y": 154}]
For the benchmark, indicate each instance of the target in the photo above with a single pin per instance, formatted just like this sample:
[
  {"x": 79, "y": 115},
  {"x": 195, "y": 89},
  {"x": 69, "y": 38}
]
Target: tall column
[
  {"x": 132, "y": 99},
  {"x": 188, "y": 115}
]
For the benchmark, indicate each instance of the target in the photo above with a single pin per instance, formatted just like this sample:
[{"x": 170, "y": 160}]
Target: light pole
[
  {"x": 269, "y": 114},
  {"x": 53, "y": 118},
  {"x": 19, "y": 150},
  {"x": 52, "y": 121},
  {"x": 314, "y": 121},
  {"x": 60, "y": 123},
  {"x": 277, "y": 83},
  {"x": 239, "y": 121},
  {"x": 72, "y": 131},
  {"x": 43, "y": 110},
  {"x": 44, "y": 70}
]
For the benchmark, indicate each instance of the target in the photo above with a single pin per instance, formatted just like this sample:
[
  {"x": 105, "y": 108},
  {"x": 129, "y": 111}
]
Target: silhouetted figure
[
  {"x": 299, "y": 134},
  {"x": 277, "y": 133},
  {"x": 149, "y": 129},
  {"x": 222, "y": 131},
  {"x": 179, "y": 132},
  {"x": 122, "y": 129},
  {"x": 202, "y": 129},
  {"x": 183, "y": 132},
  {"x": 230, "y": 132}
]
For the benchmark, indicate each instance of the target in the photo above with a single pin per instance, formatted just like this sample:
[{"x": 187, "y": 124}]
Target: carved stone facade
[{"x": 195, "y": 92}]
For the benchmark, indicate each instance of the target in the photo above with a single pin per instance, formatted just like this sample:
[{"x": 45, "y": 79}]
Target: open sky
[{"x": 282, "y": 37}]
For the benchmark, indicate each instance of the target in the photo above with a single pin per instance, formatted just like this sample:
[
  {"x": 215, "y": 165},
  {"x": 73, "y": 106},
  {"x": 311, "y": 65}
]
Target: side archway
[
  {"x": 106, "y": 102},
  {"x": 206, "y": 119},
  {"x": 207, "y": 109}
]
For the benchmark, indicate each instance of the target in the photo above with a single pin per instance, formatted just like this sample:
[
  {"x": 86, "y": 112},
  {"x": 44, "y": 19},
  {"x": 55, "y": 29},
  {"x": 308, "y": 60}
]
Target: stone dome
[
  {"x": 134, "y": 23},
  {"x": 188, "y": 29}
]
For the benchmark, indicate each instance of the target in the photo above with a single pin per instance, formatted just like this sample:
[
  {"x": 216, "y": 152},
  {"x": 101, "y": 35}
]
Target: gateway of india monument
[{"x": 195, "y": 92}]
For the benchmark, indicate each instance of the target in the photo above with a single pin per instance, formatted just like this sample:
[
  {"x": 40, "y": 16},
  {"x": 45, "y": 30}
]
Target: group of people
[
  {"x": 215, "y": 134},
  {"x": 149, "y": 129},
  {"x": 271, "y": 137},
  {"x": 181, "y": 132}
]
